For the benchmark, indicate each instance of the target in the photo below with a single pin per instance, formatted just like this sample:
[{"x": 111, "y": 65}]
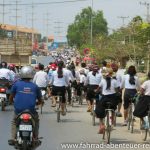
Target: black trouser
[{"x": 68, "y": 89}]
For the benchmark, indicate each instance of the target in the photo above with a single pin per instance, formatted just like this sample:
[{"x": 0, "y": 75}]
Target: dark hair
[
  {"x": 104, "y": 63},
  {"x": 83, "y": 65},
  {"x": 132, "y": 73},
  {"x": 108, "y": 80},
  {"x": 41, "y": 66},
  {"x": 60, "y": 69},
  {"x": 3, "y": 64},
  {"x": 148, "y": 74}
]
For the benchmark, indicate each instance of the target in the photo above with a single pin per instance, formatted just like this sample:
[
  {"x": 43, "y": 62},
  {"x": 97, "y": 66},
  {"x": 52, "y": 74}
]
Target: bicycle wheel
[
  {"x": 58, "y": 115},
  {"x": 132, "y": 124},
  {"x": 114, "y": 120},
  {"x": 108, "y": 130},
  {"x": 144, "y": 134},
  {"x": 93, "y": 118},
  {"x": 129, "y": 118}
]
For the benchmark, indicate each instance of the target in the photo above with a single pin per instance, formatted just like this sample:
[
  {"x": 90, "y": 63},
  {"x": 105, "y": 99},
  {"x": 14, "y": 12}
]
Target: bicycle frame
[
  {"x": 109, "y": 122},
  {"x": 147, "y": 127},
  {"x": 131, "y": 118}
]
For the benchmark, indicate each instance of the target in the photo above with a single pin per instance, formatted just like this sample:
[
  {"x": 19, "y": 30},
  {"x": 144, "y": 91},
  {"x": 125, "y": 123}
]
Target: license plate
[
  {"x": 43, "y": 92},
  {"x": 3, "y": 95},
  {"x": 25, "y": 128}
]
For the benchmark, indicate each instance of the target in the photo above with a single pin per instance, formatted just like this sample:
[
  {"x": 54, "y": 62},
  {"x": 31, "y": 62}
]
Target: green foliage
[{"x": 79, "y": 32}]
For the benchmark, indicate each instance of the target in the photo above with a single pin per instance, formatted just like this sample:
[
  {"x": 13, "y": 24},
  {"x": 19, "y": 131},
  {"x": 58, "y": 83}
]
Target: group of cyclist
[{"x": 93, "y": 80}]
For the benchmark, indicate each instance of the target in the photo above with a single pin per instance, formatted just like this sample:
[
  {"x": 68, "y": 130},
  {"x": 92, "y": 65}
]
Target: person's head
[
  {"x": 114, "y": 67},
  {"x": 107, "y": 72},
  {"x": 104, "y": 63},
  {"x": 60, "y": 65},
  {"x": 41, "y": 66},
  {"x": 83, "y": 65},
  {"x": 11, "y": 67},
  {"x": 107, "y": 75},
  {"x": 148, "y": 75},
  {"x": 131, "y": 70},
  {"x": 3, "y": 64},
  {"x": 27, "y": 73},
  {"x": 82, "y": 71}
]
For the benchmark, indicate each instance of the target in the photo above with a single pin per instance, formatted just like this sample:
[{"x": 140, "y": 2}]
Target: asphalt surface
[{"x": 76, "y": 127}]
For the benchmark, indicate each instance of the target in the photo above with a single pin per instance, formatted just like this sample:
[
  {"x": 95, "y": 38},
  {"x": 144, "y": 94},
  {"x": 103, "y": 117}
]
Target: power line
[
  {"x": 148, "y": 8},
  {"x": 45, "y": 3},
  {"x": 123, "y": 19}
]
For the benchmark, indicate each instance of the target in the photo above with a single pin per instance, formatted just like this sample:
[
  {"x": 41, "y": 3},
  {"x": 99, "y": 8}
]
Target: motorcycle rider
[
  {"x": 25, "y": 94},
  {"x": 5, "y": 73}
]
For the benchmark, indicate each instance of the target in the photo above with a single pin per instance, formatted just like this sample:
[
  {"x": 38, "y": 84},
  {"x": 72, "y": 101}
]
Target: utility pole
[
  {"x": 32, "y": 22},
  {"x": 58, "y": 27},
  {"x": 147, "y": 8},
  {"x": 92, "y": 24},
  {"x": 148, "y": 42},
  {"x": 47, "y": 27},
  {"x": 16, "y": 16},
  {"x": 123, "y": 19}
]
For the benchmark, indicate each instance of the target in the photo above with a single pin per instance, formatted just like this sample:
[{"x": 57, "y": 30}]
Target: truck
[{"x": 16, "y": 51}]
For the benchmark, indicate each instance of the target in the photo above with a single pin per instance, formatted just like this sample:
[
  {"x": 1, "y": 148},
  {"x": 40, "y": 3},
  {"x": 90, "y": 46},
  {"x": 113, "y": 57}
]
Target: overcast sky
[{"x": 62, "y": 14}]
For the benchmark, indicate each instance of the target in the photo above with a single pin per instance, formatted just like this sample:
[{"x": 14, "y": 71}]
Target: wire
[{"x": 45, "y": 3}]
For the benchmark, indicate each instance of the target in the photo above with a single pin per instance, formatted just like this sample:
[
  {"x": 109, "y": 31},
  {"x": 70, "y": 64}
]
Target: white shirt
[
  {"x": 126, "y": 84},
  {"x": 118, "y": 78},
  {"x": 7, "y": 74},
  {"x": 69, "y": 73},
  {"x": 93, "y": 80},
  {"x": 146, "y": 87},
  {"x": 82, "y": 78},
  {"x": 64, "y": 81},
  {"x": 103, "y": 85},
  {"x": 41, "y": 79}
]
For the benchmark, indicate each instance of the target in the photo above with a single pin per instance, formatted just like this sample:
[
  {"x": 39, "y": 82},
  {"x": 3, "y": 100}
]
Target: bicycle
[
  {"x": 146, "y": 129},
  {"x": 95, "y": 100},
  {"x": 109, "y": 121},
  {"x": 73, "y": 98},
  {"x": 131, "y": 117},
  {"x": 58, "y": 106}
]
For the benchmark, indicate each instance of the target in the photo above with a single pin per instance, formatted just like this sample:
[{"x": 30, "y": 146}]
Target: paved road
[{"x": 75, "y": 127}]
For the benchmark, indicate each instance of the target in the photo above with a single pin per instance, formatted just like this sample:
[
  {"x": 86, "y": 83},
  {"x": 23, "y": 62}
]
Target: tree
[{"x": 78, "y": 33}]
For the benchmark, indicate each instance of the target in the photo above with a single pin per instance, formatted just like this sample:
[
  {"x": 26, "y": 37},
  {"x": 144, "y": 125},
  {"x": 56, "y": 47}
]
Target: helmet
[
  {"x": 27, "y": 72},
  {"x": 11, "y": 66}
]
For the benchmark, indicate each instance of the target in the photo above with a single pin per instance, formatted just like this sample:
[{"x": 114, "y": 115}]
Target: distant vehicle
[
  {"x": 54, "y": 54},
  {"x": 34, "y": 61}
]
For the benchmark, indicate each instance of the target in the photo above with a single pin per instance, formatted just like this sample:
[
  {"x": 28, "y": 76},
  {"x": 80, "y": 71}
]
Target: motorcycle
[
  {"x": 4, "y": 93},
  {"x": 25, "y": 139}
]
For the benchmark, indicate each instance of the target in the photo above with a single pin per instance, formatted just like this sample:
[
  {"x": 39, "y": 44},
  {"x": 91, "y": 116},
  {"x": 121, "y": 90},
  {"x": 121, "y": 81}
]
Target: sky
[{"x": 60, "y": 15}]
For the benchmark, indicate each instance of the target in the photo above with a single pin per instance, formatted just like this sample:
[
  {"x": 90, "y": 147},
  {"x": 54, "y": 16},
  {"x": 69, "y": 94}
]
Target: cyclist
[
  {"x": 41, "y": 79},
  {"x": 118, "y": 77},
  {"x": 131, "y": 84},
  {"x": 94, "y": 77},
  {"x": 60, "y": 80},
  {"x": 142, "y": 106},
  {"x": 108, "y": 86},
  {"x": 25, "y": 94}
]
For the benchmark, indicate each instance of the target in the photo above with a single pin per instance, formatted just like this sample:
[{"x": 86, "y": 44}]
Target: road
[{"x": 75, "y": 127}]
